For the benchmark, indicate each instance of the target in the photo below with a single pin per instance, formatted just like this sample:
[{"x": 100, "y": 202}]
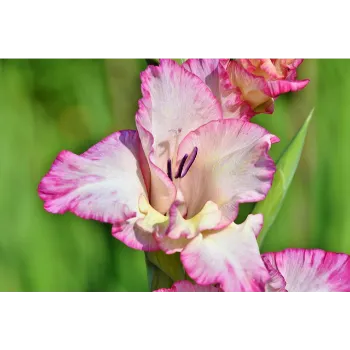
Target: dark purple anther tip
[
  {"x": 170, "y": 175},
  {"x": 182, "y": 163},
  {"x": 190, "y": 161}
]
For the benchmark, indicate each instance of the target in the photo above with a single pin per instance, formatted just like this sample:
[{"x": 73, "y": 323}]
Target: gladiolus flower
[
  {"x": 262, "y": 80},
  {"x": 246, "y": 87},
  {"x": 272, "y": 69},
  {"x": 294, "y": 270},
  {"x": 303, "y": 270},
  {"x": 175, "y": 184}
]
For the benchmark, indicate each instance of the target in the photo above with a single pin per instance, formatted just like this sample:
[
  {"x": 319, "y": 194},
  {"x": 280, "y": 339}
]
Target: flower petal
[
  {"x": 139, "y": 233},
  {"x": 232, "y": 166},
  {"x": 260, "y": 78},
  {"x": 207, "y": 71},
  {"x": 174, "y": 103},
  {"x": 278, "y": 87},
  {"x": 180, "y": 230},
  {"x": 276, "y": 282},
  {"x": 291, "y": 66},
  {"x": 135, "y": 236},
  {"x": 311, "y": 270},
  {"x": 186, "y": 286},
  {"x": 248, "y": 64},
  {"x": 224, "y": 62},
  {"x": 262, "y": 67},
  {"x": 296, "y": 62},
  {"x": 270, "y": 69},
  {"x": 215, "y": 76},
  {"x": 164, "y": 191},
  {"x": 104, "y": 183},
  {"x": 230, "y": 257},
  {"x": 288, "y": 67},
  {"x": 253, "y": 88}
]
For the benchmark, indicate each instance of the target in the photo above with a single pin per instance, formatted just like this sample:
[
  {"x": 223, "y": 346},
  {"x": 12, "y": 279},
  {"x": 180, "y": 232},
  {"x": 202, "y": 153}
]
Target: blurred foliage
[
  {"x": 286, "y": 167},
  {"x": 50, "y": 105}
]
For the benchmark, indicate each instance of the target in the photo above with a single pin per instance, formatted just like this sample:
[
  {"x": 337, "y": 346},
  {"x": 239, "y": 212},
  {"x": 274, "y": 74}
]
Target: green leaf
[{"x": 285, "y": 170}]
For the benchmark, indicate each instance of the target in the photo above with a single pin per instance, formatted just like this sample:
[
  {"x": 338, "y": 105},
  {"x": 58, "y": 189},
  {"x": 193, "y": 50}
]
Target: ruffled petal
[
  {"x": 135, "y": 236},
  {"x": 180, "y": 230},
  {"x": 253, "y": 88},
  {"x": 188, "y": 287},
  {"x": 276, "y": 282},
  {"x": 232, "y": 166},
  {"x": 215, "y": 76},
  {"x": 139, "y": 233},
  {"x": 311, "y": 270},
  {"x": 104, "y": 183},
  {"x": 278, "y": 87},
  {"x": 262, "y": 80},
  {"x": 229, "y": 257}
]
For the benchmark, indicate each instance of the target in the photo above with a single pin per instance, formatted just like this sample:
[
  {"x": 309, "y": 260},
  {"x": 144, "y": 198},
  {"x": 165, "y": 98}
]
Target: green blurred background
[{"x": 50, "y": 105}]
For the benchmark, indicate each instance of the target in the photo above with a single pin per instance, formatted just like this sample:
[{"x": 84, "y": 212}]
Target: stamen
[
  {"x": 176, "y": 134},
  {"x": 182, "y": 163},
  {"x": 170, "y": 175},
  {"x": 190, "y": 161}
]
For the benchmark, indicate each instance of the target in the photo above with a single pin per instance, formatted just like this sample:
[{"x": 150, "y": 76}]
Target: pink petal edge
[
  {"x": 224, "y": 148},
  {"x": 229, "y": 257},
  {"x": 132, "y": 235},
  {"x": 104, "y": 183},
  {"x": 311, "y": 270},
  {"x": 187, "y": 286}
]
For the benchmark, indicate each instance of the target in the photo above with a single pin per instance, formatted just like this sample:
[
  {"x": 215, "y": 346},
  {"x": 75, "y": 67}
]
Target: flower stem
[
  {"x": 163, "y": 269},
  {"x": 156, "y": 277},
  {"x": 160, "y": 280}
]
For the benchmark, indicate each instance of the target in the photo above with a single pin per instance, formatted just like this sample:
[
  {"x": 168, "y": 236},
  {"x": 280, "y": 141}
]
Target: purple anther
[
  {"x": 189, "y": 162},
  {"x": 170, "y": 175},
  {"x": 182, "y": 163}
]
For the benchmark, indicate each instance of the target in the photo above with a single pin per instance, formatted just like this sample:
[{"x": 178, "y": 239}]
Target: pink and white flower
[
  {"x": 176, "y": 183},
  {"x": 260, "y": 81},
  {"x": 303, "y": 270},
  {"x": 294, "y": 270},
  {"x": 246, "y": 87}
]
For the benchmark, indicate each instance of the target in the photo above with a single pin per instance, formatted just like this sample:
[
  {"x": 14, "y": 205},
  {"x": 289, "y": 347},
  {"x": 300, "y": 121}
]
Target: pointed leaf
[{"x": 286, "y": 167}]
